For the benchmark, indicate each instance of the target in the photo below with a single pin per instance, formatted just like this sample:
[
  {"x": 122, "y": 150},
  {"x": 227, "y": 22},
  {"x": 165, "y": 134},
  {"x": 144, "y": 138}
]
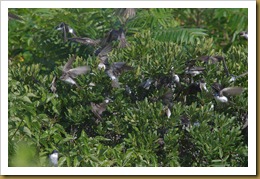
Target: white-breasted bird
[
  {"x": 69, "y": 73},
  {"x": 54, "y": 156},
  {"x": 221, "y": 94},
  {"x": 244, "y": 34}
]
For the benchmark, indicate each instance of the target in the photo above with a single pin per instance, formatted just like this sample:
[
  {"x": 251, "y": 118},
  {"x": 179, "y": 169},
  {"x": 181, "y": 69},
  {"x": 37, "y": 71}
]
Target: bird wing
[
  {"x": 110, "y": 36},
  {"x": 68, "y": 65},
  {"x": 118, "y": 65},
  {"x": 74, "y": 72},
  {"x": 204, "y": 58},
  {"x": 84, "y": 40},
  {"x": 103, "y": 54},
  {"x": 13, "y": 16},
  {"x": 231, "y": 91},
  {"x": 197, "y": 69},
  {"x": 101, "y": 108},
  {"x": 94, "y": 109},
  {"x": 64, "y": 32},
  {"x": 105, "y": 50},
  {"x": 115, "y": 83},
  {"x": 123, "y": 43},
  {"x": 243, "y": 74}
]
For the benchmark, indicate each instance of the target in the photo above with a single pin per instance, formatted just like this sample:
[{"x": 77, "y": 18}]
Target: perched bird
[
  {"x": 244, "y": 34},
  {"x": 234, "y": 78},
  {"x": 53, "y": 84},
  {"x": 185, "y": 122},
  {"x": 53, "y": 157},
  {"x": 69, "y": 73},
  {"x": 65, "y": 28},
  {"x": 85, "y": 41},
  {"x": 196, "y": 87},
  {"x": 189, "y": 93},
  {"x": 147, "y": 83},
  {"x": 221, "y": 93}
]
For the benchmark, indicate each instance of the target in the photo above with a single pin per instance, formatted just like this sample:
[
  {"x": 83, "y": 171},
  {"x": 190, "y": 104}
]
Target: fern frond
[{"x": 179, "y": 35}]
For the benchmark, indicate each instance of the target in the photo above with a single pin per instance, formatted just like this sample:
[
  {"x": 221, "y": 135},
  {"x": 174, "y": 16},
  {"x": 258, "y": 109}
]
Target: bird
[
  {"x": 147, "y": 83},
  {"x": 103, "y": 56},
  {"x": 167, "y": 98},
  {"x": 194, "y": 71},
  {"x": 114, "y": 70},
  {"x": 221, "y": 93},
  {"x": 211, "y": 59},
  {"x": 69, "y": 73},
  {"x": 53, "y": 157},
  {"x": 98, "y": 109},
  {"x": 12, "y": 16},
  {"x": 85, "y": 40},
  {"x": 196, "y": 87},
  {"x": 65, "y": 28},
  {"x": 114, "y": 35},
  {"x": 185, "y": 121},
  {"x": 126, "y": 13},
  {"x": 176, "y": 78},
  {"x": 244, "y": 34},
  {"x": 53, "y": 85},
  {"x": 234, "y": 78},
  {"x": 214, "y": 60}
]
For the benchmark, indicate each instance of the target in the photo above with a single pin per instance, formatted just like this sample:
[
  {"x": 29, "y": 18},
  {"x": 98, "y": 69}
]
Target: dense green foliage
[{"x": 40, "y": 121}]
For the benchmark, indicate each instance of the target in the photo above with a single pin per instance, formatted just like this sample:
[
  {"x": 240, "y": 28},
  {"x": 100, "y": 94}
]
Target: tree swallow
[
  {"x": 69, "y": 73},
  {"x": 65, "y": 28},
  {"x": 215, "y": 59},
  {"x": 54, "y": 158},
  {"x": 221, "y": 93},
  {"x": 126, "y": 13},
  {"x": 196, "y": 87},
  {"x": 244, "y": 34},
  {"x": 167, "y": 98},
  {"x": 147, "y": 83},
  {"x": 98, "y": 109},
  {"x": 185, "y": 122},
  {"x": 193, "y": 71},
  {"x": 211, "y": 59},
  {"x": 103, "y": 56},
  {"x": 14, "y": 17},
  {"x": 114, "y": 35},
  {"x": 115, "y": 70},
  {"x": 234, "y": 78}
]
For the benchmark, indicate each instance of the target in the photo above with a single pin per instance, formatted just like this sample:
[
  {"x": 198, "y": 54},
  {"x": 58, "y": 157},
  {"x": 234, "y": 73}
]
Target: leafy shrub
[{"x": 134, "y": 130}]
